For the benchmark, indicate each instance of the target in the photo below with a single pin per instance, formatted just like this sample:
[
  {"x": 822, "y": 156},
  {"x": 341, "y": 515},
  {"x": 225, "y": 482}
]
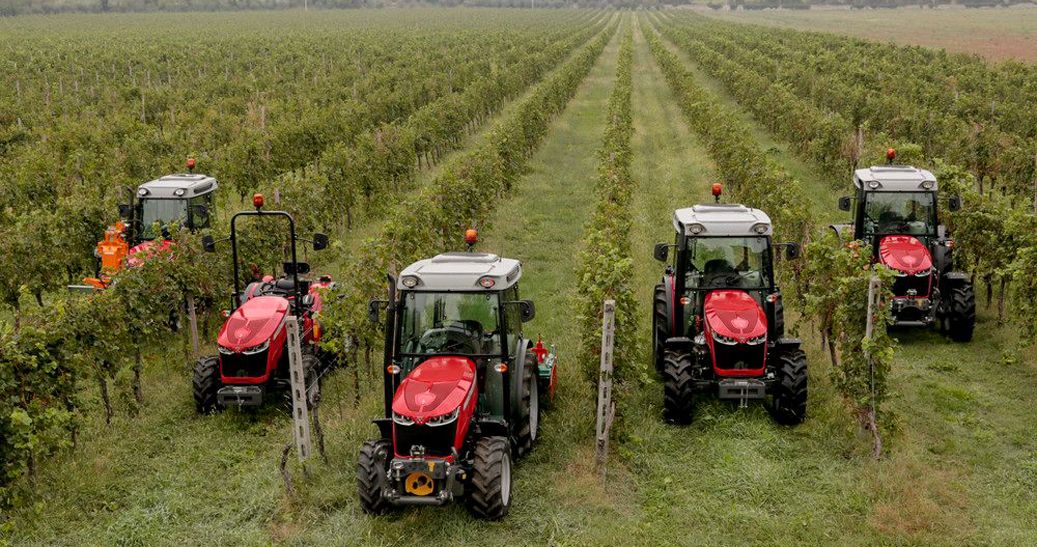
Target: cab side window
[{"x": 199, "y": 221}]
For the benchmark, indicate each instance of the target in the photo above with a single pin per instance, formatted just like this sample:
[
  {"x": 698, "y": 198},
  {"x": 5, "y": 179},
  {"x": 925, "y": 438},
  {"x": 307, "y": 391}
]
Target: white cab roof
[
  {"x": 894, "y": 178},
  {"x": 167, "y": 186},
  {"x": 721, "y": 220},
  {"x": 462, "y": 272}
]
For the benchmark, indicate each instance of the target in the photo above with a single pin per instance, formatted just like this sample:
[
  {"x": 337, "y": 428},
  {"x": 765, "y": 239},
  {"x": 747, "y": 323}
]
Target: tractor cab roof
[
  {"x": 181, "y": 186},
  {"x": 721, "y": 220},
  {"x": 461, "y": 272},
  {"x": 894, "y": 178}
]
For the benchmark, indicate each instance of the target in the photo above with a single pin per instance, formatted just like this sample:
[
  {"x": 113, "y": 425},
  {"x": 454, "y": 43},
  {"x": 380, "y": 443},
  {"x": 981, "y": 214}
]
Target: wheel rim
[
  {"x": 505, "y": 478},
  {"x": 534, "y": 409}
]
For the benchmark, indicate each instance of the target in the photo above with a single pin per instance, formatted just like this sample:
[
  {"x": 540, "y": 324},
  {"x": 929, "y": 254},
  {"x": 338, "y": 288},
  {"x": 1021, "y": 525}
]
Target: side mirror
[
  {"x": 662, "y": 250},
  {"x": 124, "y": 210},
  {"x": 844, "y": 203},
  {"x": 320, "y": 241},
  {"x": 791, "y": 251},
  {"x": 373, "y": 308},
  {"x": 527, "y": 310},
  {"x": 954, "y": 203},
  {"x": 208, "y": 244}
]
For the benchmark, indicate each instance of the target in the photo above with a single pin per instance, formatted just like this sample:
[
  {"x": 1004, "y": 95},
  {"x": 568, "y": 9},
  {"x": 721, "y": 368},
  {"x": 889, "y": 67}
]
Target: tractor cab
[
  {"x": 184, "y": 199},
  {"x": 718, "y": 322},
  {"x": 173, "y": 199},
  {"x": 463, "y": 386},
  {"x": 895, "y": 212}
]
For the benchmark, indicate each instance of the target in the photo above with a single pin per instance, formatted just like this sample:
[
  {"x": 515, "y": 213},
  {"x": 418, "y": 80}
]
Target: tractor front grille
[
  {"x": 739, "y": 356},
  {"x": 911, "y": 286},
  {"x": 239, "y": 365},
  {"x": 438, "y": 441}
]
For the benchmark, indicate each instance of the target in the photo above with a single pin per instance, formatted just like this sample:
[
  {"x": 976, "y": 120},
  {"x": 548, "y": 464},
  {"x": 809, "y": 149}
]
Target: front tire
[
  {"x": 489, "y": 496},
  {"x": 789, "y": 403},
  {"x": 529, "y": 410},
  {"x": 678, "y": 388},
  {"x": 205, "y": 383},
  {"x": 371, "y": 475},
  {"x": 961, "y": 318}
]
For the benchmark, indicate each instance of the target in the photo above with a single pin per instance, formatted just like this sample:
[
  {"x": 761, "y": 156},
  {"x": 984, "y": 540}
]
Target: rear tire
[
  {"x": 529, "y": 410},
  {"x": 489, "y": 495},
  {"x": 961, "y": 317},
  {"x": 660, "y": 327},
  {"x": 205, "y": 383},
  {"x": 789, "y": 404},
  {"x": 678, "y": 388},
  {"x": 371, "y": 475}
]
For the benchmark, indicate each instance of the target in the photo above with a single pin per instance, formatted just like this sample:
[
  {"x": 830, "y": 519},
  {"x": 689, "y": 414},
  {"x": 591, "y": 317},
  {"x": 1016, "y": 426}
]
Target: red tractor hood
[
  {"x": 254, "y": 322},
  {"x": 734, "y": 314},
  {"x": 905, "y": 254},
  {"x": 436, "y": 387}
]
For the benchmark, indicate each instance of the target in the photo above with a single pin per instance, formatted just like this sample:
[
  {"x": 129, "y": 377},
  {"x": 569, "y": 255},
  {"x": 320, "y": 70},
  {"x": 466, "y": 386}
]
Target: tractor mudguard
[
  {"x": 955, "y": 279},
  {"x": 668, "y": 291},
  {"x": 516, "y": 378},
  {"x": 787, "y": 343},
  {"x": 384, "y": 427},
  {"x": 679, "y": 342},
  {"x": 841, "y": 229},
  {"x": 492, "y": 427}
]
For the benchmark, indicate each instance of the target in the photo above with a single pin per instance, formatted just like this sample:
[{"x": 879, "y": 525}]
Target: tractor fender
[
  {"x": 680, "y": 342},
  {"x": 668, "y": 291},
  {"x": 839, "y": 229},
  {"x": 384, "y": 427},
  {"x": 491, "y": 427},
  {"x": 955, "y": 279},
  {"x": 521, "y": 351},
  {"x": 787, "y": 343}
]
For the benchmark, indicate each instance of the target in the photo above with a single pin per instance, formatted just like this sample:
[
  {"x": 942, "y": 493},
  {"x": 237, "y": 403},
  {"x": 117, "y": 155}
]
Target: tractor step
[
  {"x": 240, "y": 396},
  {"x": 741, "y": 389}
]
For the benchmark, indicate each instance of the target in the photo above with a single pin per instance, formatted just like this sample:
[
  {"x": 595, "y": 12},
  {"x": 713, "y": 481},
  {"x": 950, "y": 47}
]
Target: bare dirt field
[{"x": 997, "y": 34}]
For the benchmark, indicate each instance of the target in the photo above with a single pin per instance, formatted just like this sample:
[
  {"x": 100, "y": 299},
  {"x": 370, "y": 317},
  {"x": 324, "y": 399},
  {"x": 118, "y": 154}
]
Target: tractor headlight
[
  {"x": 225, "y": 351},
  {"x": 444, "y": 419},
  {"x": 401, "y": 419},
  {"x": 873, "y": 184},
  {"x": 724, "y": 339},
  {"x": 409, "y": 281},
  {"x": 756, "y": 341},
  {"x": 928, "y": 184},
  {"x": 256, "y": 349},
  {"x": 924, "y": 273},
  {"x": 696, "y": 229}
]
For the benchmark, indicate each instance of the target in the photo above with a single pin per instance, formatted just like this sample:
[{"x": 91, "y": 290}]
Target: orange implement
[{"x": 112, "y": 250}]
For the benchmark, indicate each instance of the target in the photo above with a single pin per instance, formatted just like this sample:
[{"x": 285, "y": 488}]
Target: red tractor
[
  {"x": 463, "y": 387},
  {"x": 896, "y": 213},
  {"x": 718, "y": 324},
  {"x": 253, "y": 342}
]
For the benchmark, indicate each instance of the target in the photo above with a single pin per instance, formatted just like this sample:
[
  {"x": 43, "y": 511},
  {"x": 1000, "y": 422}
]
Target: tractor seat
[
  {"x": 718, "y": 265},
  {"x": 285, "y": 284}
]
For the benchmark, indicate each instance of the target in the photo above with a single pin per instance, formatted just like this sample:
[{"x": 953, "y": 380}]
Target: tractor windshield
[
  {"x": 161, "y": 211},
  {"x": 449, "y": 323},
  {"x": 912, "y": 213},
  {"x": 728, "y": 263}
]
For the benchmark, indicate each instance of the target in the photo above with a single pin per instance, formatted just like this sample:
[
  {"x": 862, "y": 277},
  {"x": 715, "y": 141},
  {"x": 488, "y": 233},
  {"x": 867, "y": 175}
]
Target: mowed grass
[
  {"x": 168, "y": 476},
  {"x": 995, "y": 34}
]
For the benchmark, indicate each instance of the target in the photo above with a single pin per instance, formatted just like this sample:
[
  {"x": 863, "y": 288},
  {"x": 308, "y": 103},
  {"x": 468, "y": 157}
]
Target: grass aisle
[
  {"x": 733, "y": 477},
  {"x": 556, "y": 495}
]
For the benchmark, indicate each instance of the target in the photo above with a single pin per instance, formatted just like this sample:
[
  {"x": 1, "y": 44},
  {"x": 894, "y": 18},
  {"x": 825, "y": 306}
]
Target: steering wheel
[
  {"x": 725, "y": 279},
  {"x": 455, "y": 337}
]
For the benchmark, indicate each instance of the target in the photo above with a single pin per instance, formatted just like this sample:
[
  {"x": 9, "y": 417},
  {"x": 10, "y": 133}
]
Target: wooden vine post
[
  {"x": 606, "y": 406},
  {"x": 874, "y": 286}
]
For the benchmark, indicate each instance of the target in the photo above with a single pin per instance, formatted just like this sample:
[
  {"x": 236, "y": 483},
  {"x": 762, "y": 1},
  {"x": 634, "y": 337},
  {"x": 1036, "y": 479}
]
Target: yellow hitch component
[{"x": 419, "y": 483}]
